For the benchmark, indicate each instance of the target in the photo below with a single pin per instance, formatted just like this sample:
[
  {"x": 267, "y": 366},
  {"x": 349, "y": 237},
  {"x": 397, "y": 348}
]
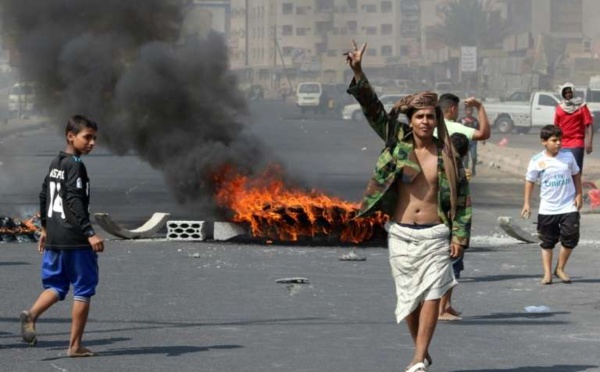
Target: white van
[
  {"x": 308, "y": 95},
  {"x": 21, "y": 99}
]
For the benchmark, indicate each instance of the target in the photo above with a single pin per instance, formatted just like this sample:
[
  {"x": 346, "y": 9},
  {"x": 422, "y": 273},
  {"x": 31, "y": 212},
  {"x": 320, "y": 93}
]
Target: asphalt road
[{"x": 210, "y": 306}]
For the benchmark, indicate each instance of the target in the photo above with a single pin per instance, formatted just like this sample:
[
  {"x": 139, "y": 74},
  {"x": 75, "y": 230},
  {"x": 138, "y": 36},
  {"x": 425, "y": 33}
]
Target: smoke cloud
[{"x": 120, "y": 62}]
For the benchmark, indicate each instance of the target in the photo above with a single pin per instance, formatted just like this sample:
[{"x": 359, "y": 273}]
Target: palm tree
[{"x": 470, "y": 23}]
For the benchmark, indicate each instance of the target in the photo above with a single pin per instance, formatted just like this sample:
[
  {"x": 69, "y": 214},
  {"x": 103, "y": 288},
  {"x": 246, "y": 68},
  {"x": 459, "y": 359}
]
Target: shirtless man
[{"x": 414, "y": 171}]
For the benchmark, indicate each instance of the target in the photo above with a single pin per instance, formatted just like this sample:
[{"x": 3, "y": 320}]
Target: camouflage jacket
[{"x": 398, "y": 161}]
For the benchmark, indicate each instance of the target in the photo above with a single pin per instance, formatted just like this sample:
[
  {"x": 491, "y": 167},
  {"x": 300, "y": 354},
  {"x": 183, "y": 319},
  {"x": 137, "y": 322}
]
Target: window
[
  {"x": 287, "y": 30},
  {"x": 386, "y": 7},
  {"x": 351, "y": 4},
  {"x": 371, "y": 30},
  {"x": 546, "y": 100},
  {"x": 332, "y": 53},
  {"x": 324, "y": 5},
  {"x": 372, "y": 52},
  {"x": 566, "y": 16},
  {"x": 287, "y": 8},
  {"x": 322, "y": 27},
  {"x": 386, "y": 50},
  {"x": 370, "y": 8},
  {"x": 287, "y": 51},
  {"x": 352, "y": 26},
  {"x": 386, "y": 29},
  {"x": 301, "y": 10},
  {"x": 300, "y": 31}
]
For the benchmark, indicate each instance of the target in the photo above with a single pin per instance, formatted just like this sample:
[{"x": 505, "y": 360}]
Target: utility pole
[
  {"x": 246, "y": 35},
  {"x": 277, "y": 51}
]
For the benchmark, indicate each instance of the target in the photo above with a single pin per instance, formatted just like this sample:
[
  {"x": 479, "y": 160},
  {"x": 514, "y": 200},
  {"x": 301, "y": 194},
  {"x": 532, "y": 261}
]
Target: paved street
[{"x": 209, "y": 306}]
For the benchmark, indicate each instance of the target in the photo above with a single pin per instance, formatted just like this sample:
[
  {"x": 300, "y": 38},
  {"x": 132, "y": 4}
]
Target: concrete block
[
  {"x": 227, "y": 230},
  {"x": 187, "y": 230},
  {"x": 147, "y": 230},
  {"x": 511, "y": 229}
]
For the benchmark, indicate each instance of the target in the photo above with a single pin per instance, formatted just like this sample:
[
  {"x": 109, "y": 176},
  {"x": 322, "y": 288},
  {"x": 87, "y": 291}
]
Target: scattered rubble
[{"x": 352, "y": 256}]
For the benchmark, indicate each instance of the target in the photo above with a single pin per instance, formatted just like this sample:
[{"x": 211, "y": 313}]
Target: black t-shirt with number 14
[{"x": 64, "y": 204}]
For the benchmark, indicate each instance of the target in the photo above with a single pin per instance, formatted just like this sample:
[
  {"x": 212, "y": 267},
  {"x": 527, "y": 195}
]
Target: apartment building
[
  {"x": 298, "y": 40},
  {"x": 281, "y": 42},
  {"x": 569, "y": 28}
]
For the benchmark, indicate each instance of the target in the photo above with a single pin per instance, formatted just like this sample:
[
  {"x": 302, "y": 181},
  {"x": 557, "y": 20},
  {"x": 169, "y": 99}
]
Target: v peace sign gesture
[{"x": 354, "y": 57}]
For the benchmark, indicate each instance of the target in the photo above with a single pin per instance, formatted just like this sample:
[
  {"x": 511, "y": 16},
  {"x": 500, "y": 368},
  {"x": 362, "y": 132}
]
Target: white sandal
[{"x": 417, "y": 367}]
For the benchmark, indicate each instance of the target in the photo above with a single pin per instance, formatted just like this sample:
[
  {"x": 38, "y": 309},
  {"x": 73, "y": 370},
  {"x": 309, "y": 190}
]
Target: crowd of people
[{"x": 421, "y": 181}]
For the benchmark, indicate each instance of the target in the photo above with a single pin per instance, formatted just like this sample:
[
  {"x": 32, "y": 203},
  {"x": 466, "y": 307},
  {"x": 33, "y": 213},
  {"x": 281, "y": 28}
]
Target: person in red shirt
[{"x": 573, "y": 117}]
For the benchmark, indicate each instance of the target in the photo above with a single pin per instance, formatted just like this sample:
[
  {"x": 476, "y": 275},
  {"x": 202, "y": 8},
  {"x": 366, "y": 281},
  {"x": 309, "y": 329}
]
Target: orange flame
[
  {"x": 23, "y": 227},
  {"x": 277, "y": 212}
]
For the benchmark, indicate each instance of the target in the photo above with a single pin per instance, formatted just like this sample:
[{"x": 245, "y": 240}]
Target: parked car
[
  {"x": 518, "y": 97},
  {"x": 354, "y": 112},
  {"x": 506, "y": 116},
  {"x": 308, "y": 96}
]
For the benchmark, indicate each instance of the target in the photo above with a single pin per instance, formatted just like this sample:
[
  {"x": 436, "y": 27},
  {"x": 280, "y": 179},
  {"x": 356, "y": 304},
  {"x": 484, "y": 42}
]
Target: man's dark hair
[
  {"x": 77, "y": 122},
  {"x": 460, "y": 143},
  {"x": 448, "y": 100},
  {"x": 550, "y": 130}
]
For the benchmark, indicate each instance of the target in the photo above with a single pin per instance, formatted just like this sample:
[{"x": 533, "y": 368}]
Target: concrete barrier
[{"x": 147, "y": 230}]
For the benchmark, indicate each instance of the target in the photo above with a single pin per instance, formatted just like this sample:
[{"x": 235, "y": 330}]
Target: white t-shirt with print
[{"x": 557, "y": 190}]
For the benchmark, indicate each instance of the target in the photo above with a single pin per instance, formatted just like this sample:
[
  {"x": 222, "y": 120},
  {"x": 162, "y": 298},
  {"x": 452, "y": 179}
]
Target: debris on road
[
  {"x": 352, "y": 256},
  {"x": 292, "y": 281}
]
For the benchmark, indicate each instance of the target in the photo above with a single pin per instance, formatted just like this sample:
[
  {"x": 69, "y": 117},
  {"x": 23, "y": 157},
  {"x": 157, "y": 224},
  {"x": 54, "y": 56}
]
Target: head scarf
[
  {"x": 572, "y": 105},
  {"x": 428, "y": 99}
]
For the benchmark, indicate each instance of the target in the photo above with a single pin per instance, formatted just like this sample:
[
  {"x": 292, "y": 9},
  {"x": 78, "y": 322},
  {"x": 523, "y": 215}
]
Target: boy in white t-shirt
[{"x": 560, "y": 201}]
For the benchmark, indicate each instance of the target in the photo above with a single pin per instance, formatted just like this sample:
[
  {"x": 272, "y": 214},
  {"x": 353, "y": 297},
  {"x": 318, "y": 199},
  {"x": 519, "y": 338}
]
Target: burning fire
[
  {"x": 19, "y": 230},
  {"x": 277, "y": 212}
]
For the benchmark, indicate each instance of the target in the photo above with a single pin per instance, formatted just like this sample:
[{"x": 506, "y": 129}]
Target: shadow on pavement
[
  {"x": 64, "y": 344},
  {"x": 520, "y": 315},
  {"x": 14, "y": 263},
  {"x": 555, "y": 368},
  {"x": 498, "y": 278},
  {"x": 577, "y": 280},
  {"x": 513, "y": 319},
  {"x": 170, "y": 351}
]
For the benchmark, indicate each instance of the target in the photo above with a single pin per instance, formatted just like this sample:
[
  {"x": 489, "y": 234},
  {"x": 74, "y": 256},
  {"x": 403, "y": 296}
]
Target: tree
[{"x": 470, "y": 23}]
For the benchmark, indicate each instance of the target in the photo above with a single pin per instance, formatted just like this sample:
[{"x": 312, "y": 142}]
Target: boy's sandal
[
  {"x": 417, "y": 367},
  {"x": 428, "y": 361}
]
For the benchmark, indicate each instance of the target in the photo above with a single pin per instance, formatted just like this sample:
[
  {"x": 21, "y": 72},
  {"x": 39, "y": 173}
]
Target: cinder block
[
  {"x": 227, "y": 230},
  {"x": 186, "y": 230}
]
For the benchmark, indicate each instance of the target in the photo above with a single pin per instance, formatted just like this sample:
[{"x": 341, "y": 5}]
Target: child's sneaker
[{"x": 28, "y": 329}]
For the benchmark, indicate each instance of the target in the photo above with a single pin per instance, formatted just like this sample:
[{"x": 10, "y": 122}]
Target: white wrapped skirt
[{"x": 421, "y": 265}]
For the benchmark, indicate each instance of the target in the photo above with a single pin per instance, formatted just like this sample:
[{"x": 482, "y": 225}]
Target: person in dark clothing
[
  {"x": 68, "y": 241},
  {"x": 470, "y": 121}
]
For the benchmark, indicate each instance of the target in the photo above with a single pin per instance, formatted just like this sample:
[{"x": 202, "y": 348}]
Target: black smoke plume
[{"x": 122, "y": 63}]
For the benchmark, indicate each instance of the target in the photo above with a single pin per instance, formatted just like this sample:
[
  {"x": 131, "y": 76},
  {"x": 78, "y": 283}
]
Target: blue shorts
[{"x": 61, "y": 268}]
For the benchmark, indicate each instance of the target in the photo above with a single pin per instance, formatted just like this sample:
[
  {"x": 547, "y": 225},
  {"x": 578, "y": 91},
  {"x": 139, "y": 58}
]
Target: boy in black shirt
[{"x": 68, "y": 241}]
